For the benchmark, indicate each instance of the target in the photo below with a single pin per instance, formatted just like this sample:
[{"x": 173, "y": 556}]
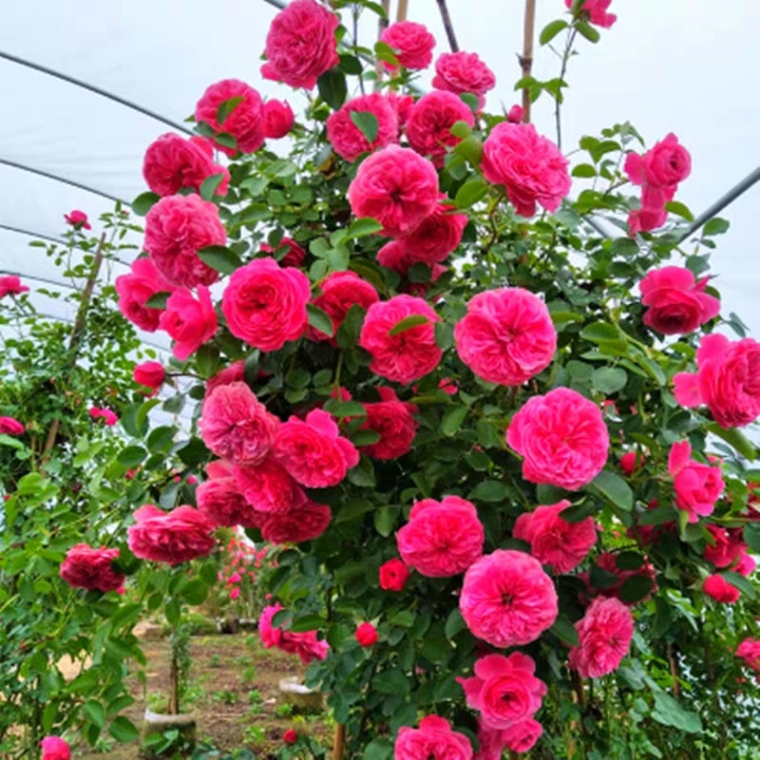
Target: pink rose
[
  {"x": 173, "y": 162},
  {"x": 304, "y": 523},
  {"x": 313, "y": 451},
  {"x": 507, "y": 599},
  {"x": 244, "y": 120},
  {"x": 521, "y": 737},
  {"x": 393, "y": 575},
  {"x": 392, "y": 420},
  {"x": 265, "y": 305},
  {"x": 428, "y": 128},
  {"x": 176, "y": 228},
  {"x": 366, "y": 635},
  {"x": 698, "y": 486},
  {"x": 664, "y": 166},
  {"x": 727, "y": 381},
  {"x": 172, "y": 537},
  {"x": 407, "y": 355},
  {"x": 402, "y": 105},
  {"x": 504, "y": 689},
  {"x": 631, "y": 461},
  {"x": 463, "y": 72},
  {"x": 136, "y": 289},
  {"x": 442, "y": 538},
  {"x": 507, "y": 336},
  {"x": 596, "y": 11},
  {"x": 109, "y": 418},
  {"x": 341, "y": 291},
  {"x": 77, "y": 219},
  {"x": 222, "y": 502},
  {"x": 287, "y": 254},
  {"x": 677, "y": 303},
  {"x": 345, "y": 136},
  {"x": 301, "y": 45},
  {"x": 400, "y": 257},
  {"x": 726, "y": 547},
  {"x": 646, "y": 219},
  {"x": 11, "y": 285},
  {"x": 305, "y": 644},
  {"x": 397, "y": 187},
  {"x": 746, "y": 564},
  {"x": 435, "y": 237},
  {"x": 562, "y": 438},
  {"x": 433, "y": 739},
  {"x": 11, "y": 426},
  {"x": 717, "y": 587},
  {"x": 278, "y": 119},
  {"x": 269, "y": 487},
  {"x": 190, "y": 322},
  {"x": 531, "y": 167},
  {"x": 412, "y": 43},
  {"x": 605, "y": 633},
  {"x": 236, "y": 426},
  {"x": 749, "y": 651},
  {"x": 86, "y": 567},
  {"x": 235, "y": 373},
  {"x": 55, "y": 748},
  {"x": 516, "y": 114},
  {"x": 150, "y": 374},
  {"x": 553, "y": 541}
]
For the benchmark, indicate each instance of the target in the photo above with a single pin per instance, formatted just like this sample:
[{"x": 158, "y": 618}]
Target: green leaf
[
  {"x": 490, "y": 491},
  {"x": 385, "y": 520},
  {"x": 386, "y": 53},
  {"x": 715, "y": 226},
  {"x": 132, "y": 456},
  {"x": 635, "y": 588},
  {"x": 350, "y": 64},
  {"x": 210, "y": 185},
  {"x": 680, "y": 209},
  {"x": 461, "y": 129},
  {"x": 350, "y": 328},
  {"x": 332, "y": 87},
  {"x": 453, "y": 420},
  {"x": 158, "y": 300},
  {"x": 551, "y": 30},
  {"x": 308, "y": 623},
  {"x": 195, "y": 592},
  {"x": 740, "y": 582},
  {"x": 144, "y": 202},
  {"x": 629, "y": 560},
  {"x": 226, "y": 108},
  {"x": 565, "y": 631},
  {"x": 363, "y": 227},
  {"x": 752, "y": 536},
  {"x": 613, "y": 488},
  {"x": 736, "y": 439},
  {"x": 407, "y": 323},
  {"x": 220, "y": 258},
  {"x": 160, "y": 439},
  {"x": 123, "y": 730},
  {"x": 95, "y": 712},
  {"x": 669, "y": 712},
  {"x": 609, "y": 379},
  {"x": 584, "y": 171},
  {"x": 471, "y": 192},
  {"x": 378, "y": 749},
  {"x": 444, "y": 335},
  {"x": 454, "y": 624},
  {"x": 471, "y": 149},
  {"x": 367, "y": 123},
  {"x": 319, "y": 320},
  {"x": 365, "y": 437},
  {"x": 587, "y": 31},
  {"x": 601, "y": 332},
  {"x": 392, "y": 681},
  {"x": 6, "y": 440},
  {"x": 577, "y": 512}
]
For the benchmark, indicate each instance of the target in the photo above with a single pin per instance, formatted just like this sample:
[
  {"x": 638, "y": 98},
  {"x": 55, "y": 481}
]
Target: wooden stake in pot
[{"x": 526, "y": 60}]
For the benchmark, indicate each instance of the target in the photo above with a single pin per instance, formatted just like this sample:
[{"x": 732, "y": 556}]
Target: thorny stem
[{"x": 562, "y": 72}]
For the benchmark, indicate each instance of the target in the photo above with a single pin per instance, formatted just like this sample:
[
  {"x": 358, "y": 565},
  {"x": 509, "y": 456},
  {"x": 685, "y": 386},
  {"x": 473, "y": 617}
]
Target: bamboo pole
[
  {"x": 339, "y": 741},
  {"x": 382, "y": 25},
  {"x": 526, "y": 61},
  {"x": 448, "y": 26},
  {"x": 402, "y": 10}
]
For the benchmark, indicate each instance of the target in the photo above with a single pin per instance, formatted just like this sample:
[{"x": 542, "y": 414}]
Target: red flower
[
  {"x": 11, "y": 426},
  {"x": 290, "y": 736},
  {"x": 78, "y": 220},
  {"x": 278, "y": 119},
  {"x": 89, "y": 568},
  {"x": 366, "y": 635},
  {"x": 149, "y": 374},
  {"x": 11, "y": 285},
  {"x": 717, "y": 587},
  {"x": 393, "y": 575}
]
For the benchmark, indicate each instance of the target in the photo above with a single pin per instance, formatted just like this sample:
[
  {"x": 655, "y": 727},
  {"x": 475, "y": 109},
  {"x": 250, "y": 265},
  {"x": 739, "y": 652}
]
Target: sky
[{"x": 683, "y": 66}]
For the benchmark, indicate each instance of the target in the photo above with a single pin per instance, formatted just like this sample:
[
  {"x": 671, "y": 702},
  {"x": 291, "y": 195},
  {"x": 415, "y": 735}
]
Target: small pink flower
[
  {"x": 366, "y": 635},
  {"x": 55, "y": 748},
  {"x": 278, "y": 119},
  {"x": 234, "y": 593},
  {"x": 605, "y": 633},
  {"x": 428, "y": 128},
  {"x": 136, "y": 289},
  {"x": 631, "y": 461},
  {"x": 11, "y": 426},
  {"x": 11, "y": 285},
  {"x": 91, "y": 569},
  {"x": 507, "y": 599},
  {"x": 78, "y": 220},
  {"x": 109, "y": 418},
  {"x": 433, "y": 739},
  {"x": 190, "y": 322},
  {"x": 345, "y": 136},
  {"x": 596, "y": 10},
  {"x": 393, "y": 575},
  {"x": 516, "y": 114},
  {"x": 393, "y": 420},
  {"x": 749, "y": 651},
  {"x": 301, "y": 44},
  {"x": 412, "y": 43},
  {"x": 149, "y": 374},
  {"x": 717, "y": 587},
  {"x": 192, "y": 480},
  {"x": 698, "y": 486}
]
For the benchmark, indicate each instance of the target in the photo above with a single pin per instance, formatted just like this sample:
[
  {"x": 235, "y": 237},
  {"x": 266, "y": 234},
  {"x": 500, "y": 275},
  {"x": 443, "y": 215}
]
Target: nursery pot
[
  {"x": 300, "y": 696},
  {"x": 159, "y": 724}
]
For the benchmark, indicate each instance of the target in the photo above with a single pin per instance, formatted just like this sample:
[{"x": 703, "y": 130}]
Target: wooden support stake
[
  {"x": 526, "y": 61},
  {"x": 448, "y": 26},
  {"x": 339, "y": 741},
  {"x": 402, "y": 10}
]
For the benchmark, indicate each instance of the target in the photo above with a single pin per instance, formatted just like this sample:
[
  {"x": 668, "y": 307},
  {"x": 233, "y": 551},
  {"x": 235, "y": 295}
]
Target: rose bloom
[
  {"x": 698, "y": 486},
  {"x": 300, "y": 44},
  {"x": 149, "y": 374},
  {"x": 244, "y": 121},
  {"x": 220, "y": 499},
  {"x": 10, "y": 284},
  {"x": 265, "y": 304},
  {"x": 400, "y": 257},
  {"x": 746, "y": 564},
  {"x": 664, "y": 166},
  {"x": 554, "y": 541},
  {"x": 347, "y": 139},
  {"x": 190, "y": 322},
  {"x": 596, "y": 10},
  {"x": 269, "y": 487},
  {"x": 725, "y": 549},
  {"x": 412, "y": 43},
  {"x": 430, "y": 121},
  {"x": 287, "y": 254},
  {"x": 531, "y": 167},
  {"x": 290, "y": 736},
  {"x": 519, "y": 737},
  {"x": 313, "y": 451},
  {"x": 646, "y": 219},
  {"x": 607, "y": 561},
  {"x": 504, "y": 689},
  {"x": 304, "y": 644},
  {"x": 436, "y": 237},
  {"x": 393, "y": 575},
  {"x": 507, "y": 336},
  {"x": 176, "y": 228},
  {"x": 55, "y": 748},
  {"x": 727, "y": 381},
  {"x": 605, "y": 633},
  {"x": 136, "y": 289},
  {"x": 507, "y": 599},
  {"x": 749, "y": 651},
  {"x": 463, "y": 72},
  {"x": 402, "y": 105},
  {"x": 397, "y": 187},
  {"x": 11, "y": 426},
  {"x": 173, "y": 162},
  {"x": 339, "y": 292},
  {"x": 677, "y": 303},
  {"x": 109, "y": 418},
  {"x": 562, "y": 438},
  {"x": 86, "y": 567},
  {"x": 78, "y": 220},
  {"x": 408, "y": 355},
  {"x": 631, "y": 461},
  {"x": 717, "y": 587},
  {"x": 278, "y": 119},
  {"x": 392, "y": 420},
  {"x": 235, "y": 373},
  {"x": 442, "y": 538},
  {"x": 236, "y": 426},
  {"x": 305, "y": 523},
  {"x": 172, "y": 537},
  {"x": 366, "y": 635},
  {"x": 516, "y": 114},
  {"x": 433, "y": 740}
]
